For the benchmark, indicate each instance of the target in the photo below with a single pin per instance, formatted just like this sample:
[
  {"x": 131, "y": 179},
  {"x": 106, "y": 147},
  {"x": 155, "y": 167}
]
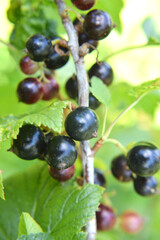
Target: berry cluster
[
  {"x": 130, "y": 221},
  {"x": 60, "y": 152},
  {"x": 95, "y": 26},
  {"x": 140, "y": 164},
  {"x": 51, "y": 57}
]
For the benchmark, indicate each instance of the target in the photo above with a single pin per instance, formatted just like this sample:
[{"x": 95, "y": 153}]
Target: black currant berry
[
  {"x": 103, "y": 71},
  {"x": 61, "y": 152},
  {"x": 93, "y": 102},
  {"x": 38, "y": 47},
  {"x": 81, "y": 124},
  {"x": 106, "y": 218},
  {"x": 72, "y": 87},
  {"x": 120, "y": 169},
  {"x": 144, "y": 159},
  {"x": 63, "y": 174},
  {"x": 48, "y": 137},
  {"x": 29, "y": 90},
  {"x": 83, "y": 38},
  {"x": 97, "y": 24},
  {"x": 28, "y": 66},
  {"x": 50, "y": 89},
  {"x": 99, "y": 178},
  {"x": 145, "y": 186},
  {"x": 131, "y": 222},
  {"x": 83, "y": 4},
  {"x": 30, "y": 142},
  {"x": 55, "y": 60}
]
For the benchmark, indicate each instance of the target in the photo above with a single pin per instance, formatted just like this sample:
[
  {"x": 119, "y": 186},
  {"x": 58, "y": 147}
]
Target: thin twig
[
  {"x": 105, "y": 136},
  {"x": 126, "y": 49},
  {"x": 10, "y": 46},
  {"x": 83, "y": 92}
]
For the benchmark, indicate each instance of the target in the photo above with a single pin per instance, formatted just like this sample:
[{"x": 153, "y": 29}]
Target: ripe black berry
[
  {"x": 72, "y": 87},
  {"x": 83, "y": 4},
  {"x": 72, "y": 91},
  {"x": 38, "y": 47},
  {"x": 102, "y": 71},
  {"x": 145, "y": 186},
  {"x": 144, "y": 159},
  {"x": 93, "y": 102},
  {"x": 120, "y": 169},
  {"x": 81, "y": 124},
  {"x": 131, "y": 222},
  {"x": 50, "y": 89},
  {"x": 29, "y": 90},
  {"x": 83, "y": 38},
  {"x": 97, "y": 24},
  {"x": 63, "y": 174},
  {"x": 30, "y": 143},
  {"x": 99, "y": 178},
  {"x": 48, "y": 137},
  {"x": 55, "y": 60},
  {"x": 61, "y": 152},
  {"x": 106, "y": 218},
  {"x": 28, "y": 66}
]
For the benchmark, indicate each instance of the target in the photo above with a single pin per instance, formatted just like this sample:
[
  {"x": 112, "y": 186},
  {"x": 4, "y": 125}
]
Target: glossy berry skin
[
  {"x": 83, "y": 38},
  {"x": 99, "y": 178},
  {"x": 72, "y": 87},
  {"x": 72, "y": 91},
  {"x": 97, "y": 24},
  {"x": 50, "y": 89},
  {"x": 106, "y": 218},
  {"x": 29, "y": 90},
  {"x": 81, "y": 124},
  {"x": 28, "y": 66},
  {"x": 144, "y": 159},
  {"x": 38, "y": 47},
  {"x": 102, "y": 71},
  {"x": 55, "y": 60},
  {"x": 120, "y": 169},
  {"x": 93, "y": 102},
  {"x": 48, "y": 138},
  {"x": 83, "y": 4},
  {"x": 30, "y": 142},
  {"x": 145, "y": 186},
  {"x": 131, "y": 222},
  {"x": 61, "y": 152},
  {"x": 62, "y": 175}
]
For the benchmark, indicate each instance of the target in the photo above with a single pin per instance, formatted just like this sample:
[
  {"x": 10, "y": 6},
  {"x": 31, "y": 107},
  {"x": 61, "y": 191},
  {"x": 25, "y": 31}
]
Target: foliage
[
  {"x": 50, "y": 117},
  {"x": 1, "y": 187},
  {"x": 52, "y": 205},
  {"x": 36, "y": 206}
]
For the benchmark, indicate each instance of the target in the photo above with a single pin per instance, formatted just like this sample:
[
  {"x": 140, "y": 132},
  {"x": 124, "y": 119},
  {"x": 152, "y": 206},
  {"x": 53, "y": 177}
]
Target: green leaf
[
  {"x": 53, "y": 206},
  {"x": 28, "y": 225},
  {"x": 146, "y": 88},
  {"x": 100, "y": 90},
  {"x": 50, "y": 117},
  {"x": 39, "y": 236},
  {"x": 20, "y": 11},
  {"x": 151, "y": 31},
  {"x": 1, "y": 187},
  {"x": 80, "y": 236}
]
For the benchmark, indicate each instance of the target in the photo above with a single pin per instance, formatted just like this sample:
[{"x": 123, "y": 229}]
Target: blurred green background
[{"x": 141, "y": 123}]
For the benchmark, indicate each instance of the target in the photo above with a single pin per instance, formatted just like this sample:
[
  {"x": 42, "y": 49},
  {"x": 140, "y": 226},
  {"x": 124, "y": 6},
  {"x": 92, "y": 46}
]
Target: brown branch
[{"x": 83, "y": 92}]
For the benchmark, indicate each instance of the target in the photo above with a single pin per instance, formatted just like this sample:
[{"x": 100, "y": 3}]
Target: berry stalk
[{"x": 83, "y": 96}]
